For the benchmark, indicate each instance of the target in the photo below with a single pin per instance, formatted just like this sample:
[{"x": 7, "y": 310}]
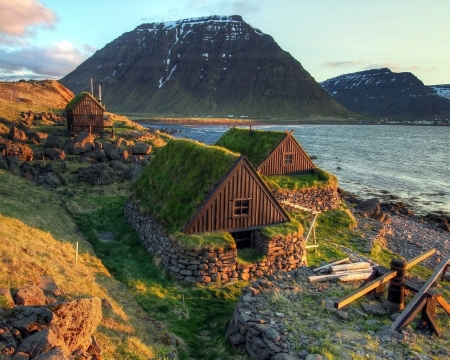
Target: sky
[{"x": 328, "y": 37}]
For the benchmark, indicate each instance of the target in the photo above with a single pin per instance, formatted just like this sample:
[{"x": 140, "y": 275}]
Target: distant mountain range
[
  {"x": 26, "y": 77},
  {"x": 383, "y": 93},
  {"x": 210, "y": 66}
]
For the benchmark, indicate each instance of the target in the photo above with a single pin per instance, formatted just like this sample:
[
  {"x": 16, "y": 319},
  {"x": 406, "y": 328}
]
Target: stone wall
[
  {"x": 204, "y": 266},
  {"x": 315, "y": 199}
]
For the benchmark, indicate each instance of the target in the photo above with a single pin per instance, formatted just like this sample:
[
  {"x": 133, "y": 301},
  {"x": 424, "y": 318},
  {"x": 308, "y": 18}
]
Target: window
[
  {"x": 288, "y": 158},
  {"x": 241, "y": 207}
]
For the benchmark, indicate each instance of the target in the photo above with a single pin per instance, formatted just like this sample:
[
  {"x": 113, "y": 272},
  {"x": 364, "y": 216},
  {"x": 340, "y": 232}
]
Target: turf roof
[
  {"x": 72, "y": 103},
  {"x": 179, "y": 179},
  {"x": 256, "y": 145}
]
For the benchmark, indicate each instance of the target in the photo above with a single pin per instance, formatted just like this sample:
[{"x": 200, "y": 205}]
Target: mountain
[
  {"x": 210, "y": 66},
  {"x": 381, "y": 92},
  {"x": 441, "y": 90}
]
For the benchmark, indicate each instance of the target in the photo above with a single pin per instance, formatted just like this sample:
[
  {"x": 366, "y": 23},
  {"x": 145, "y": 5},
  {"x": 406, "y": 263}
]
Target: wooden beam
[
  {"x": 320, "y": 278},
  {"x": 444, "y": 304},
  {"x": 418, "y": 259},
  {"x": 364, "y": 290},
  {"x": 352, "y": 266},
  {"x": 324, "y": 267},
  {"x": 410, "y": 308}
]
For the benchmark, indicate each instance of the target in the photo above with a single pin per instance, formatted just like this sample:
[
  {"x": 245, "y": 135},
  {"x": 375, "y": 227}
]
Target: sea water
[{"x": 411, "y": 162}]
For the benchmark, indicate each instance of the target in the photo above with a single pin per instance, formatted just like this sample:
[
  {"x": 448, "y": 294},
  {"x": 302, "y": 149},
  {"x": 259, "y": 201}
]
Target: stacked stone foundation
[
  {"x": 314, "y": 199},
  {"x": 209, "y": 265}
]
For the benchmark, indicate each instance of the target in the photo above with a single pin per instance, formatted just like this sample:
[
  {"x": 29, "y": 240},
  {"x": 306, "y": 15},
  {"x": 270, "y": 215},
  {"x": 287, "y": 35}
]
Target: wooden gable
[
  {"x": 84, "y": 113},
  {"x": 241, "y": 201},
  {"x": 288, "y": 157}
]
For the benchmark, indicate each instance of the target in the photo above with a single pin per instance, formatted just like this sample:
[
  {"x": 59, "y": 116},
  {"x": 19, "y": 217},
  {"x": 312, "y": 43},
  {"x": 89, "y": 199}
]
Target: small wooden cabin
[
  {"x": 85, "y": 113},
  {"x": 271, "y": 152},
  {"x": 193, "y": 188}
]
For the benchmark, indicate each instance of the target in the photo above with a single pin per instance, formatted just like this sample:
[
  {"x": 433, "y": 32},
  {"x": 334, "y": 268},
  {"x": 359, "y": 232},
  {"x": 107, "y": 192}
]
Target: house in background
[
  {"x": 270, "y": 152},
  {"x": 85, "y": 113}
]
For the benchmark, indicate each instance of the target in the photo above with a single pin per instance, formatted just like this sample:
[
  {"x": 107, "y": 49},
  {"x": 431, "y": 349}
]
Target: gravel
[{"x": 409, "y": 237}]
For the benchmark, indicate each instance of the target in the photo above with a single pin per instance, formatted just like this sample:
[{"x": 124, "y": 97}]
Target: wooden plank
[
  {"x": 421, "y": 301},
  {"x": 444, "y": 304},
  {"x": 355, "y": 277},
  {"x": 352, "y": 266},
  {"x": 414, "y": 302},
  {"x": 418, "y": 259},
  {"x": 364, "y": 290},
  {"x": 429, "y": 315},
  {"x": 320, "y": 278},
  {"x": 337, "y": 262}
]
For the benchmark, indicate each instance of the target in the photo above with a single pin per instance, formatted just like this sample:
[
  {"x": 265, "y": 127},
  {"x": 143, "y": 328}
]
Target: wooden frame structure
[
  {"x": 425, "y": 300},
  {"x": 85, "y": 113},
  {"x": 241, "y": 186}
]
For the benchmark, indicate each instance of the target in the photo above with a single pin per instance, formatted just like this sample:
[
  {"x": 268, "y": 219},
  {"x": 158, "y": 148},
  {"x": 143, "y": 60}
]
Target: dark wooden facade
[
  {"x": 85, "y": 114},
  {"x": 240, "y": 202},
  {"x": 288, "y": 157}
]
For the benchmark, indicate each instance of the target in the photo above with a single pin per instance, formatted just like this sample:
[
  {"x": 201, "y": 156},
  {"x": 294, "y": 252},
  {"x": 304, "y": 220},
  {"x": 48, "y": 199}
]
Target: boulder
[
  {"x": 141, "y": 148},
  {"x": 38, "y": 136},
  {"x": 97, "y": 154},
  {"x": 112, "y": 151},
  {"x": 54, "y": 141},
  {"x": 29, "y": 319},
  {"x": 30, "y": 295},
  {"x": 15, "y": 134},
  {"x": 39, "y": 342},
  {"x": 82, "y": 143},
  {"x": 97, "y": 174},
  {"x": 55, "y": 154},
  {"x": 77, "y": 321},
  {"x": 369, "y": 208}
]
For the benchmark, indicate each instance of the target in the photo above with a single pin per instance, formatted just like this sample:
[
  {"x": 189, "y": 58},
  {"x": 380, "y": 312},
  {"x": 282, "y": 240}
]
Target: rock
[
  {"x": 83, "y": 143},
  {"x": 369, "y": 208},
  {"x": 314, "y": 357},
  {"x": 56, "y": 353},
  {"x": 54, "y": 141},
  {"x": 15, "y": 134},
  {"x": 48, "y": 286},
  {"x": 38, "y": 136},
  {"x": 374, "y": 308},
  {"x": 39, "y": 342},
  {"x": 284, "y": 356},
  {"x": 30, "y": 295},
  {"x": 78, "y": 320},
  {"x": 97, "y": 174},
  {"x": 112, "y": 151},
  {"x": 55, "y": 154},
  {"x": 141, "y": 148},
  {"x": 31, "y": 319}
]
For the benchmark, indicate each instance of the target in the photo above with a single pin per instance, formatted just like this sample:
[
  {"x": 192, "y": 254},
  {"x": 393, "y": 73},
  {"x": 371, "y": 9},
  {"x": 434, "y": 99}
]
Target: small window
[
  {"x": 241, "y": 207},
  {"x": 288, "y": 159}
]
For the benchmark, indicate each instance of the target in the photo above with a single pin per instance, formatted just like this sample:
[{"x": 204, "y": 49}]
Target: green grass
[
  {"x": 201, "y": 323},
  {"x": 318, "y": 179},
  {"x": 283, "y": 229},
  {"x": 249, "y": 256},
  {"x": 256, "y": 146},
  {"x": 220, "y": 240},
  {"x": 187, "y": 173}
]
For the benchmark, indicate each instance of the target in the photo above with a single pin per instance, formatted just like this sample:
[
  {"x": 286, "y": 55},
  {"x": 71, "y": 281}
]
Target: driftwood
[
  {"x": 354, "y": 277},
  {"x": 353, "y": 266},
  {"x": 336, "y": 276},
  {"x": 327, "y": 266}
]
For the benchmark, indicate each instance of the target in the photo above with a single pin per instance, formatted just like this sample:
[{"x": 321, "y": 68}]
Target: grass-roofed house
[
  {"x": 85, "y": 113},
  {"x": 195, "y": 206},
  {"x": 285, "y": 166}
]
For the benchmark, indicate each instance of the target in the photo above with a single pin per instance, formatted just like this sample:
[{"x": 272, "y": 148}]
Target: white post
[
  {"x": 92, "y": 88},
  {"x": 100, "y": 93},
  {"x": 76, "y": 252}
]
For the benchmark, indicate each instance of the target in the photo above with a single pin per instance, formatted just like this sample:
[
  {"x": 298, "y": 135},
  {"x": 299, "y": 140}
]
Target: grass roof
[
  {"x": 255, "y": 145},
  {"x": 179, "y": 179},
  {"x": 72, "y": 103}
]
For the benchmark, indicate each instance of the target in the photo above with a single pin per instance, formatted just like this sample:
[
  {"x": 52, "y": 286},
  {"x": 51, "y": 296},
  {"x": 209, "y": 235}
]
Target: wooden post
[{"x": 396, "y": 291}]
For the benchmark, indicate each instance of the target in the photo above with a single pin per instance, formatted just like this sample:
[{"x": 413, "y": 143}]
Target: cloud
[
  {"x": 55, "y": 60},
  {"x": 368, "y": 64},
  {"x": 19, "y": 18}
]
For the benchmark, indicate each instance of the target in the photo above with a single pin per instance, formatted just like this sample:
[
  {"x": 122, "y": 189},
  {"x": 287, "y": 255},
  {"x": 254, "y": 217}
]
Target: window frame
[
  {"x": 291, "y": 157},
  {"x": 240, "y": 207}
]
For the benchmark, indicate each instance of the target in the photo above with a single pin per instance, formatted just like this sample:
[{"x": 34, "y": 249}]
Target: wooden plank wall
[
  {"x": 86, "y": 112},
  {"x": 218, "y": 212},
  {"x": 273, "y": 165}
]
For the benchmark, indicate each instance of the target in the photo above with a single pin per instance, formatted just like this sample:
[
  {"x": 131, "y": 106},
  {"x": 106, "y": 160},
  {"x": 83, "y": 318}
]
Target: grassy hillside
[{"x": 37, "y": 237}]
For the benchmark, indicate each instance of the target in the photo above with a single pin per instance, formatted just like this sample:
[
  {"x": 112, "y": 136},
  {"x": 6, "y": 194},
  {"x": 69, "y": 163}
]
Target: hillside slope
[
  {"x": 381, "y": 92},
  {"x": 212, "y": 66}
]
